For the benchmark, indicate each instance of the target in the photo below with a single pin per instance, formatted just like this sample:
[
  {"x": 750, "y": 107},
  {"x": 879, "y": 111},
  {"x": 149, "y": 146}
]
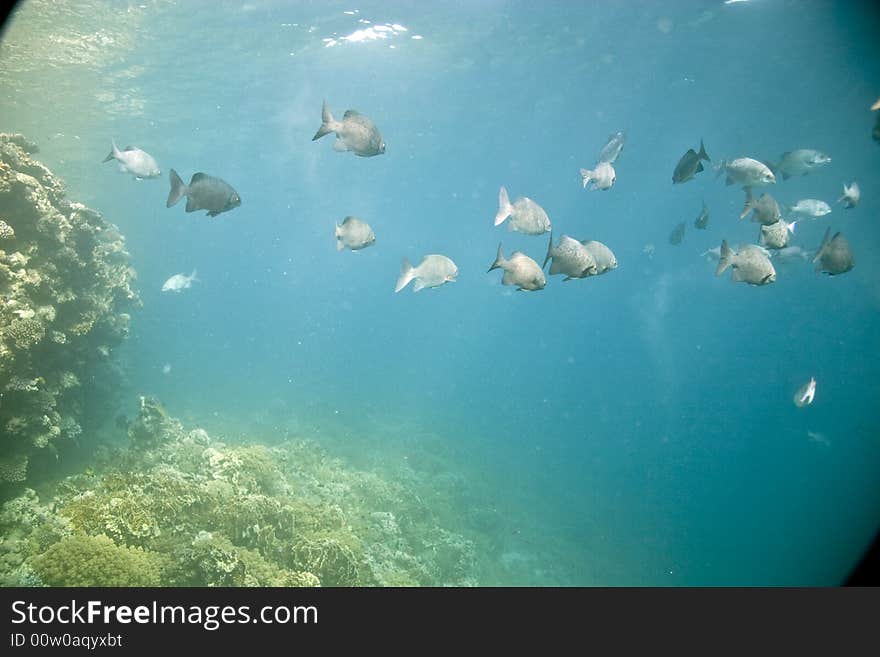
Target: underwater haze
[{"x": 631, "y": 428}]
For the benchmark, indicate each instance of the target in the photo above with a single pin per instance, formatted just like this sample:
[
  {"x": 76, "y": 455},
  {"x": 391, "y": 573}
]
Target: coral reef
[
  {"x": 178, "y": 507},
  {"x": 65, "y": 287}
]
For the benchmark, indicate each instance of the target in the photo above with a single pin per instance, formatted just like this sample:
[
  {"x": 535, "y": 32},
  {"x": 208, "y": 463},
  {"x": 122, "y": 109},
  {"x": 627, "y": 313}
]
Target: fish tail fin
[
  {"x": 726, "y": 258},
  {"x": 749, "y": 204},
  {"x": 194, "y": 276},
  {"x": 407, "y": 273},
  {"x": 499, "y": 259},
  {"x": 791, "y": 226},
  {"x": 328, "y": 123},
  {"x": 178, "y": 189},
  {"x": 504, "y": 206},
  {"x": 113, "y": 152},
  {"x": 549, "y": 251},
  {"x": 822, "y": 247},
  {"x": 338, "y": 234},
  {"x": 702, "y": 154},
  {"x": 587, "y": 176}
]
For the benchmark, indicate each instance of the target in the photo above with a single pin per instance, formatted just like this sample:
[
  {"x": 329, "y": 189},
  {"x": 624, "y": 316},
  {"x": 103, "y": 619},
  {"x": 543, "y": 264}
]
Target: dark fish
[
  {"x": 876, "y": 133},
  {"x": 703, "y": 219},
  {"x": 689, "y": 165},
  {"x": 834, "y": 255},
  {"x": 204, "y": 192},
  {"x": 355, "y": 133},
  {"x": 677, "y": 234}
]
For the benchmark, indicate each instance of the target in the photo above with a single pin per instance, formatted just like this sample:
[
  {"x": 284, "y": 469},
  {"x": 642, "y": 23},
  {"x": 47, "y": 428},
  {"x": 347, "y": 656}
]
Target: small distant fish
[
  {"x": 519, "y": 270},
  {"x": 649, "y": 249},
  {"x": 816, "y": 437},
  {"x": 805, "y": 394},
  {"x": 834, "y": 255},
  {"x": 809, "y": 208},
  {"x": 800, "y": 162},
  {"x": 745, "y": 171},
  {"x": 689, "y": 165},
  {"x": 677, "y": 234},
  {"x": 133, "y": 160},
  {"x": 354, "y": 234},
  {"x": 166, "y": 368},
  {"x": 612, "y": 148},
  {"x": 851, "y": 195},
  {"x": 433, "y": 271},
  {"x": 604, "y": 257},
  {"x": 179, "y": 282},
  {"x": 776, "y": 236},
  {"x": 714, "y": 255},
  {"x": 766, "y": 209},
  {"x": 790, "y": 254},
  {"x": 204, "y": 192},
  {"x": 526, "y": 216},
  {"x": 571, "y": 258},
  {"x": 355, "y": 133},
  {"x": 750, "y": 265},
  {"x": 601, "y": 177},
  {"x": 702, "y": 220}
]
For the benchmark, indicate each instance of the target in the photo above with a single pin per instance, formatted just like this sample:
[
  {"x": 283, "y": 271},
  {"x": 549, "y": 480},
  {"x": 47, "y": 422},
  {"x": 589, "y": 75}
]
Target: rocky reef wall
[{"x": 66, "y": 286}]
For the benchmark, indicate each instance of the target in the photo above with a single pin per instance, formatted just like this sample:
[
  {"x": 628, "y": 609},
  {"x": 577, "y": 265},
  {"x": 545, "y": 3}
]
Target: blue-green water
[{"x": 632, "y": 428}]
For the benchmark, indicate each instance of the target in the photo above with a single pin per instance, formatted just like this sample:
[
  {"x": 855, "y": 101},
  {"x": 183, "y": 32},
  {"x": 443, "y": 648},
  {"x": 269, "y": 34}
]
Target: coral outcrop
[
  {"x": 65, "y": 289},
  {"x": 178, "y": 507}
]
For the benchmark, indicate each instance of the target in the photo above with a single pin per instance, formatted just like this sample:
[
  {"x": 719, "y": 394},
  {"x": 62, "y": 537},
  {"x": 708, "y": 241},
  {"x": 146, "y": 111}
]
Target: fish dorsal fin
[
  {"x": 197, "y": 177},
  {"x": 347, "y": 221},
  {"x": 130, "y": 148},
  {"x": 350, "y": 113}
]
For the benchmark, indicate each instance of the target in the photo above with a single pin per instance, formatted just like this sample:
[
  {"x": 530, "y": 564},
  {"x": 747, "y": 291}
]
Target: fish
[
  {"x": 355, "y": 133},
  {"x": 204, "y": 192},
  {"x": 820, "y": 438},
  {"x": 745, "y": 171},
  {"x": 526, "y": 216},
  {"x": 834, "y": 255},
  {"x": 702, "y": 220},
  {"x": 808, "y": 208},
  {"x": 689, "y": 165},
  {"x": 649, "y": 249},
  {"x": 750, "y": 265},
  {"x": 354, "y": 234},
  {"x": 571, "y": 258},
  {"x": 875, "y": 133},
  {"x": 876, "y": 105},
  {"x": 604, "y": 257},
  {"x": 805, "y": 394},
  {"x": 799, "y": 162},
  {"x": 433, "y": 271},
  {"x": 179, "y": 282},
  {"x": 133, "y": 160},
  {"x": 789, "y": 254},
  {"x": 714, "y": 255},
  {"x": 519, "y": 270},
  {"x": 776, "y": 236},
  {"x": 601, "y": 177},
  {"x": 612, "y": 148},
  {"x": 166, "y": 368},
  {"x": 851, "y": 195},
  {"x": 677, "y": 234},
  {"x": 766, "y": 209}
]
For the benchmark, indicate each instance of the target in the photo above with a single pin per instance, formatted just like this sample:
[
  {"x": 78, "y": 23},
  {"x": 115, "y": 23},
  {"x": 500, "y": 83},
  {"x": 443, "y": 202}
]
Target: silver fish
[
  {"x": 519, "y": 270},
  {"x": 612, "y": 148},
  {"x": 571, "y": 258},
  {"x": 354, "y": 234},
  {"x": 834, "y": 255},
  {"x": 805, "y": 394},
  {"x": 133, "y": 160},
  {"x": 790, "y": 254},
  {"x": 809, "y": 208},
  {"x": 776, "y": 236},
  {"x": 355, "y": 133},
  {"x": 677, "y": 234},
  {"x": 433, "y": 271},
  {"x": 702, "y": 220},
  {"x": 689, "y": 165},
  {"x": 526, "y": 216},
  {"x": 851, "y": 195},
  {"x": 800, "y": 162},
  {"x": 745, "y": 171},
  {"x": 179, "y": 282},
  {"x": 601, "y": 177},
  {"x": 604, "y": 257},
  {"x": 750, "y": 265},
  {"x": 766, "y": 209},
  {"x": 204, "y": 192}
]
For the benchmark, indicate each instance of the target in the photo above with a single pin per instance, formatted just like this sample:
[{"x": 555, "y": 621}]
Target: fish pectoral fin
[
  {"x": 419, "y": 285},
  {"x": 340, "y": 146}
]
